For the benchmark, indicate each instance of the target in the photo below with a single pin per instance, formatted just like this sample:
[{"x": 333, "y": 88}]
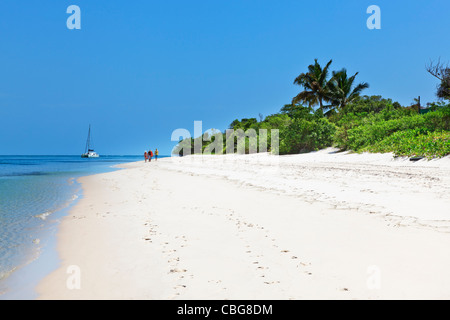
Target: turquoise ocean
[{"x": 36, "y": 192}]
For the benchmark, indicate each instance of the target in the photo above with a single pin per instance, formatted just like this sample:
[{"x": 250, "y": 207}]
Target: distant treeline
[{"x": 330, "y": 111}]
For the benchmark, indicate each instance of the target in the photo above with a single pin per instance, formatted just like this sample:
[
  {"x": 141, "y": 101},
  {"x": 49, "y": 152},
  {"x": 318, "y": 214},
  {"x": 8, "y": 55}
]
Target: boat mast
[{"x": 88, "y": 141}]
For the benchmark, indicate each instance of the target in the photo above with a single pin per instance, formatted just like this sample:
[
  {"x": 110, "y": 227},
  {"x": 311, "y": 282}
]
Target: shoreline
[
  {"x": 200, "y": 230},
  {"x": 21, "y": 282}
]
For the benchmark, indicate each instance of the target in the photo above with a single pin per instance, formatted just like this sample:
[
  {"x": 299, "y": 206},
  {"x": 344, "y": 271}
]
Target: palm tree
[
  {"x": 315, "y": 84},
  {"x": 341, "y": 91}
]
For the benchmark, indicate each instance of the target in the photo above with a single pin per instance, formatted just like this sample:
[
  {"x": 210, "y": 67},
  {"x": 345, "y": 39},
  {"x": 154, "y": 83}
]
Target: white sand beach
[{"x": 323, "y": 225}]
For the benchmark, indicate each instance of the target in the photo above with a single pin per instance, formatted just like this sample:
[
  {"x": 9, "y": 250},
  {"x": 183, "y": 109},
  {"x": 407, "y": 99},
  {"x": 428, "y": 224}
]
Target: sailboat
[{"x": 88, "y": 152}]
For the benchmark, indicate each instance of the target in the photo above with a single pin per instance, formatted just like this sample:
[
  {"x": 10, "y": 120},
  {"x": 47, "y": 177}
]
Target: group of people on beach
[{"x": 148, "y": 155}]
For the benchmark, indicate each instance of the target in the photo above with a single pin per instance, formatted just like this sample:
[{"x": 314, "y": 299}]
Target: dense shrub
[
  {"x": 357, "y": 133},
  {"x": 369, "y": 124},
  {"x": 303, "y": 136},
  {"x": 414, "y": 143}
]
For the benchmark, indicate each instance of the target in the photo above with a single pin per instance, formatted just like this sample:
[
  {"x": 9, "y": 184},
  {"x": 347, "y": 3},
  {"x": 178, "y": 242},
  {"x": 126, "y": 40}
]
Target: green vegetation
[
  {"x": 330, "y": 111},
  {"x": 414, "y": 143},
  {"x": 390, "y": 127},
  {"x": 303, "y": 135},
  {"x": 442, "y": 73}
]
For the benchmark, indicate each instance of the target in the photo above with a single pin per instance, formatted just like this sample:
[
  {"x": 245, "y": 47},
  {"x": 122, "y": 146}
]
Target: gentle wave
[
  {"x": 34, "y": 192},
  {"x": 43, "y": 216},
  {"x": 6, "y": 273}
]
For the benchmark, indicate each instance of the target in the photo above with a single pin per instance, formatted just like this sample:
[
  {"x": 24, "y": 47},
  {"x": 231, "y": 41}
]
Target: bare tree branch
[{"x": 441, "y": 71}]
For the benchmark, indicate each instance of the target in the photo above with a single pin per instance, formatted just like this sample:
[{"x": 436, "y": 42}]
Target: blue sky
[{"x": 137, "y": 70}]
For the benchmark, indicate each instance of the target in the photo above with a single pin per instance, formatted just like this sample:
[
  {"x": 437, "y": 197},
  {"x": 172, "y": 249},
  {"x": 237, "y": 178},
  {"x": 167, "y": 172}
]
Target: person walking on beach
[
  {"x": 145, "y": 156},
  {"x": 150, "y": 155},
  {"x": 156, "y": 154}
]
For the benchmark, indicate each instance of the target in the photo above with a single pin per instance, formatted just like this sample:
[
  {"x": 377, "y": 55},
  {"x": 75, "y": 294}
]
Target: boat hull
[{"x": 90, "y": 155}]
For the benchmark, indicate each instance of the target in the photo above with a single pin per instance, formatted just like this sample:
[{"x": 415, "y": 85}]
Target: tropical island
[
  {"x": 326, "y": 224},
  {"x": 331, "y": 111},
  {"x": 323, "y": 170}
]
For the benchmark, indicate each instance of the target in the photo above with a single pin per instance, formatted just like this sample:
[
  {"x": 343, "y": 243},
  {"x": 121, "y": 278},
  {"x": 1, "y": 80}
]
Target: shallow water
[{"x": 35, "y": 191}]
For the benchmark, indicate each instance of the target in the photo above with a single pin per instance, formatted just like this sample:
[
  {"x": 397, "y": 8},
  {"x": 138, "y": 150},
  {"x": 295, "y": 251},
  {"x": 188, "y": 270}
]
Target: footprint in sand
[
  {"x": 272, "y": 282},
  {"x": 180, "y": 286}
]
